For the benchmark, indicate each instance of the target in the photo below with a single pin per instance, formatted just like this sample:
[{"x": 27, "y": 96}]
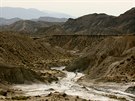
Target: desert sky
[{"x": 74, "y": 7}]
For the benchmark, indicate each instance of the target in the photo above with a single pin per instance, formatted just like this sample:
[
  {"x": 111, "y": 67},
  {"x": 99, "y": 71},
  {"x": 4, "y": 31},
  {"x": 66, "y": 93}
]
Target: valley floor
[{"x": 67, "y": 89}]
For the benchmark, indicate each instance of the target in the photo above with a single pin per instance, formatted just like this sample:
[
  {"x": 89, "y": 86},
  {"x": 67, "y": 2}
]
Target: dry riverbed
[{"x": 68, "y": 89}]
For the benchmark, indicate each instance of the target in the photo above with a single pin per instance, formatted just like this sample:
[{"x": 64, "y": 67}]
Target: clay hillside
[
  {"x": 112, "y": 59},
  {"x": 27, "y": 56}
]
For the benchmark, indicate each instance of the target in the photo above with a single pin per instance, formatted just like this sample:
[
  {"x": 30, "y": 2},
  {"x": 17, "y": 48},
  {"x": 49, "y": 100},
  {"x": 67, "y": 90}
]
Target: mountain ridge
[
  {"x": 102, "y": 24},
  {"x": 4, "y": 21},
  {"x": 28, "y": 26},
  {"x": 93, "y": 24}
]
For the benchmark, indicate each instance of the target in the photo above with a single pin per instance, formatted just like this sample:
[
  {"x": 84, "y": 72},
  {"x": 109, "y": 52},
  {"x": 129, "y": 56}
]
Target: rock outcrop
[{"x": 130, "y": 90}]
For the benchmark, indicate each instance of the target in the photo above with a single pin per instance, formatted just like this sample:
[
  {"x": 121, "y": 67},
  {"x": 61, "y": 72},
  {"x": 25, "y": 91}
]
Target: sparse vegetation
[
  {"x": 3, "y": 92},
  {"x": 116, "y": 97},
  {"x": 20, "y": 98}
]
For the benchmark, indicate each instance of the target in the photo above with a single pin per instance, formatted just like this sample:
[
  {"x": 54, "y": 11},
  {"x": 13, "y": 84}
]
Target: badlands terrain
[{"x": 88, "y": 58}]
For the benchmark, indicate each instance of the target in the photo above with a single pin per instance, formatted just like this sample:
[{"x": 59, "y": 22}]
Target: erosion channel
[{"x": 69, "y": 86}]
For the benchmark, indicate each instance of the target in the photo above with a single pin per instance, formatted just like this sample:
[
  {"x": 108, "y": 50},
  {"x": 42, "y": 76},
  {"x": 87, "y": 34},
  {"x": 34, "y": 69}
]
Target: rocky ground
[
  {"x": 56, "y": 96},
  {"x": 131, "y": 90}
]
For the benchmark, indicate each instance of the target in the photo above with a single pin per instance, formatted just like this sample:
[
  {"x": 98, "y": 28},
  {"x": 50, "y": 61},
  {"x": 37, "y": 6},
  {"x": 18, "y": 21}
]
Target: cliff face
[
  {"x": 102, "y": 24},
  {"x": 113, "y": 59}
]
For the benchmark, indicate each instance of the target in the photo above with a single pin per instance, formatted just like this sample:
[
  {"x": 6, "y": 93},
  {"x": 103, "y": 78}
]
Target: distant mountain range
[
  {"x": 4, "y": 21},
  {"x": 11, "y": 12},
  {"x": 28, "y": 26},
  {"x": 50, "y": 19},
  {"x": 92, "y": 24}
]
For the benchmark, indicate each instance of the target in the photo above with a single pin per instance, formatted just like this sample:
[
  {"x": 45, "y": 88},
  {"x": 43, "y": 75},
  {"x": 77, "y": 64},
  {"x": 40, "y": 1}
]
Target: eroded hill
[
  {"x": 23, "y": 50},
  {"x": 24, "y": 59},
  {"x": 113, "y": 59}
]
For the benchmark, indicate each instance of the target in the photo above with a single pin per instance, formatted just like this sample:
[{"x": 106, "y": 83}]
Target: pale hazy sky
[{"x": 74, "y": 7}]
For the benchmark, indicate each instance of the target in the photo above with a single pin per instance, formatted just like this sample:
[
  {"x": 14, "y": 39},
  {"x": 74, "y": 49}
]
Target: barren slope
[
  {"x": 113, "y": 59},
  {"x": 22, "y": 50},
  {"x": 102, "y": 24}
]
